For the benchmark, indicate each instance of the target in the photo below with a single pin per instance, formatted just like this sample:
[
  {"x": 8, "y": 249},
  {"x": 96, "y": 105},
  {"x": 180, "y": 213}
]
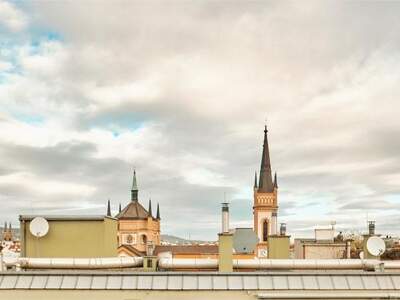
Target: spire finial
[
  {"x": 150, "y": 212},
  {"x": 108, "y": 208},
  {"x": 255, "y": 180},
  {"x": 119, "y": 208},
  {"x": 134, "y": 190},
  {"x": 158, "y": 212}
]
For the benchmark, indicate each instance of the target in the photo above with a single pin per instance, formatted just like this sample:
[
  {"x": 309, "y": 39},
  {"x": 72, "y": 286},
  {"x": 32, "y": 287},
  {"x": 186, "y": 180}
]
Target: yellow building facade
[{"x": 71, "y": 236}]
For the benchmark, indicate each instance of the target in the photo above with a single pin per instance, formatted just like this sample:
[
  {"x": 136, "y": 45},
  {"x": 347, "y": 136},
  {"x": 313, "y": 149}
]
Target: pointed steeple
[
  {"x": 10, "y": 227},
  {"x": 108, "y": 208},
  {"x": 149, "y": 210},
  {"x": 265, "y": 183},
  {"x": 5, "y": 227},
  {"x": 158, "y": 212},
  {"x": 119, "y": 208},
  {"x": 275, "y": 181},
  {"x": 255, "y": 180},
  {"x": 134, "y": 190}
]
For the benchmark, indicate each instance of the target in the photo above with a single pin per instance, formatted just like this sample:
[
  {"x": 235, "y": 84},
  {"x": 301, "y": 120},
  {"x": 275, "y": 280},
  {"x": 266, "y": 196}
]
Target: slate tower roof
[{"x": 265, "y": 184}]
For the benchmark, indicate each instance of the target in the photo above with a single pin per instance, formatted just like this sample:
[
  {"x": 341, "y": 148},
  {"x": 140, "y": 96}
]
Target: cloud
[
  {"x": 181, "y": 91},
  {"x": 11, "y": 17}
]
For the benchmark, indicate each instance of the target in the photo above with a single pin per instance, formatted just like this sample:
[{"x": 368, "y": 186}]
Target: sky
[{"x": 181, "y": 91}]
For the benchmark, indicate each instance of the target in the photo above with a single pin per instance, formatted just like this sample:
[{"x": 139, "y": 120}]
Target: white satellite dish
[
  {"x": 376, "y": 246},
  {"x": 39, "y": 227}
]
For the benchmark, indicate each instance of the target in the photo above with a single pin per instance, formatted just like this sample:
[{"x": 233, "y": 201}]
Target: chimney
[
  {"x": 225, "y": 217},
  {"x": 371, "y": 227},
  {"x": 282, "y": 230},
  {"x": 225, "y": 243}
]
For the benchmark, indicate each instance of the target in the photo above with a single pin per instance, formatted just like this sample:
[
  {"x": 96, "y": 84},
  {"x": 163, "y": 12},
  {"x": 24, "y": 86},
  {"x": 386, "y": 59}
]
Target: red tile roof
[{"x": 187, "y": 249}]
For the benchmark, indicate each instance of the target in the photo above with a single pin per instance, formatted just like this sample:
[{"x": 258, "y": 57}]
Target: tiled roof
[
  {"x": 326, "y": 283},
  {"x": 132, "y": 249},
  {"x": 186, "y": 249},
  {"x": 133, "y": 211}
]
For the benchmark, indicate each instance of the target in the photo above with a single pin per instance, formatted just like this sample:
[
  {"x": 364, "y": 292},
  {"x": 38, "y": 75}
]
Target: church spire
[
  {"x": 108, "y": 208},
  {"x": 265, "y": 184},
  {"x": 255, "y": 180},
  {"x": 149, "y": 211},
  {"x": 134, "y": 190},
  {"x": 119, "y": 208},
  {"x": 158, "y": 212}
]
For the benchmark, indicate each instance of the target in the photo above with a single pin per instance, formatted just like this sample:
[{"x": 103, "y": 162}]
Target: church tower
[
  {"x": 138, "y": 228},
  {"x": 265, "y": 206}
]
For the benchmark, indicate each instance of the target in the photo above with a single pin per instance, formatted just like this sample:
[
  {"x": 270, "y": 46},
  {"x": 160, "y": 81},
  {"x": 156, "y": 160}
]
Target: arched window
[
  {"x": 265, "y": 230},
  {"x": 144, "y": 239}
]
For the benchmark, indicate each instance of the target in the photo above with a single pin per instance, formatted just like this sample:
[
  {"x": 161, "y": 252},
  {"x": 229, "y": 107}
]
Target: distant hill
[{"x": 171, "y": 239}]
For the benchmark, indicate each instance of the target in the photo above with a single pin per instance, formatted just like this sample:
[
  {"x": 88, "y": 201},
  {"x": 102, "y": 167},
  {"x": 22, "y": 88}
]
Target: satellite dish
[
  {"x": 39, "y": 227},
  {"x": 361, "y": 254},
  {"x": 376, "y": 246},
  {"x": 244, "y": 240}
]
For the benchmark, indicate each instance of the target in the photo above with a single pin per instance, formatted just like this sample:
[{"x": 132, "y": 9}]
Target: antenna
[{"x": 376, "y": 246}]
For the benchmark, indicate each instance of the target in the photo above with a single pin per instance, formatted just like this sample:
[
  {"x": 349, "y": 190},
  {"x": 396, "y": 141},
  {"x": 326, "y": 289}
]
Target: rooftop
[
  {"x": 254, "y": 281},
  {"x": 65, "y": 217}
]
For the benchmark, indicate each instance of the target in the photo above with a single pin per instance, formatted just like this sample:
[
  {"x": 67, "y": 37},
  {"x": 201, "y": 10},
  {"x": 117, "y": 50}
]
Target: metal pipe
[
  {"x": 225, "y": 217},
  {"x": 78, "y": 263},
  {"x": 391, "y": 264},
  {"x": 275, "y": 264},
  {"x": 188, "y": 263}
]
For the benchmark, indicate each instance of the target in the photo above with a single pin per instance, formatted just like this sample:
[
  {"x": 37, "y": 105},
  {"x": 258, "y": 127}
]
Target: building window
[
  {"x": 265, "y": 230},
  {"x": 144, "y": 239}
]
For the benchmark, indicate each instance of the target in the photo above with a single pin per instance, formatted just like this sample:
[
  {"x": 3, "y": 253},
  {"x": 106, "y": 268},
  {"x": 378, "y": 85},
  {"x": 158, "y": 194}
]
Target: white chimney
[{"x": 225, "y": 217}]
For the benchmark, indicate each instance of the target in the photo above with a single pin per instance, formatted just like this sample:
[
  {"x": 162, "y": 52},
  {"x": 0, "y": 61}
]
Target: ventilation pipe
[
  {"x": 371, "y": 227},
  {"x": 282, "y": 229},
  {"x": 225, "y": 217},
  {"x": 274, "y": 223},
  {"x": 348, "y": 249},
  {"x": 279, "y": 264},
  {"x": 78, "y": 263}
]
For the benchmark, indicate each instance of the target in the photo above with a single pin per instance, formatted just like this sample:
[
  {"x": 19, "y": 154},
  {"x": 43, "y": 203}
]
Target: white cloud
[
  {"x": 11, "y": 17},
  {"x": 181, "y": 91}
]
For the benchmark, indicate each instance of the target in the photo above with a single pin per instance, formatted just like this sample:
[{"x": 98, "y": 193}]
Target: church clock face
[{"x": 129, "y": 239}]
